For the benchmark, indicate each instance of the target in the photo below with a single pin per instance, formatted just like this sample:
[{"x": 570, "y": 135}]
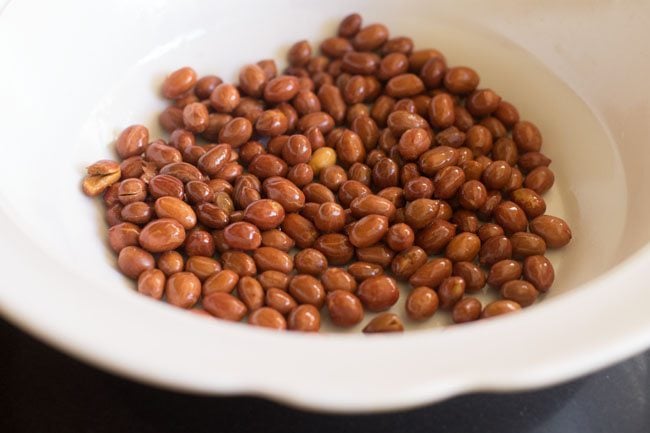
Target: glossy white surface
[{"x": 84, "y": 71}]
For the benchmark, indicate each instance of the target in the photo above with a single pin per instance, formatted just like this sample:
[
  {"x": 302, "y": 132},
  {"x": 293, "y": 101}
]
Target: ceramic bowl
[{"x": 76, "y": 73}]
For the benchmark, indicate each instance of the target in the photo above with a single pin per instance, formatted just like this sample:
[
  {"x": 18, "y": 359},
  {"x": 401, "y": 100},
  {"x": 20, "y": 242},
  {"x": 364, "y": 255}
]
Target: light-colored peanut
[
  {"x": 224, "y": 202},
  {"x": 103, "y": 167},
  {"x": 101, "y": 175},
  {"x": 323, "y": 157}
]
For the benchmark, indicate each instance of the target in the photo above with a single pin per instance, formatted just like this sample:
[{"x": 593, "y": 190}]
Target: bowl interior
[{"x": 120, "y": 87}]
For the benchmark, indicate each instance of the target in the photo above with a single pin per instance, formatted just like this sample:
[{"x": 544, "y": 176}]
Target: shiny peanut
[
  {"x": 385, "y": 322},
  {"x": 555, "y": 231},
  {"x": 378, "y": 293},
  {"x": 344, "y": 308}
]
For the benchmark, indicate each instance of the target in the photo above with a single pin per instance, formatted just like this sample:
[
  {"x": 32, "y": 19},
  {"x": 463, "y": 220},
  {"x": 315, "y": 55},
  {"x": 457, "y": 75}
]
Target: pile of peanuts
[{"x": 374, "y": 161}]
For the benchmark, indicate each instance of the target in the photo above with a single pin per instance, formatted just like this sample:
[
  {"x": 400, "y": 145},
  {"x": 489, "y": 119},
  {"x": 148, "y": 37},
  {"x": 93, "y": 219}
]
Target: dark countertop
[{"x": 42, "y": 390}]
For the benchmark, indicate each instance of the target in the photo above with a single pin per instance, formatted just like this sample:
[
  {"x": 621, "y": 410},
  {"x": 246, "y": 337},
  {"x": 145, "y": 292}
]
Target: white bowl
[{"x": 75, "y": 73}]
